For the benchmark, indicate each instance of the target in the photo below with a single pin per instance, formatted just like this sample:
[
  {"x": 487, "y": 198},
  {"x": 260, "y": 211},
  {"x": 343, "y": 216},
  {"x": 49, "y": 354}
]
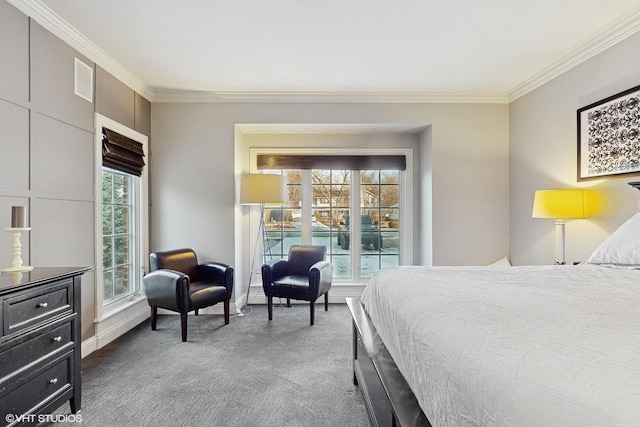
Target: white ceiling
[{"x": 491, "y": 50}]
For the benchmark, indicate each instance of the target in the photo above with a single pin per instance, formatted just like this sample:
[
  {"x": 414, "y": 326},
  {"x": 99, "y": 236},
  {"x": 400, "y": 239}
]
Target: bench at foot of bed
[{"x": 388, "y": 397}]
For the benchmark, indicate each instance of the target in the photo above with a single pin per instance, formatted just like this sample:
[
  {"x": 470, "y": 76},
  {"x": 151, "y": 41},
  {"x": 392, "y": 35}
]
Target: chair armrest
[
  {"x": 320, "y": 278},
  {"x": 217, "y": 272},
  {"x": 167, "y": 289},
  {"x": 273, "y": 270}
]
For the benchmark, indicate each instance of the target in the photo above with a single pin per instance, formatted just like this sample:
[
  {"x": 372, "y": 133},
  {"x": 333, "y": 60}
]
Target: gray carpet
[{"x": 251, "y": 372}]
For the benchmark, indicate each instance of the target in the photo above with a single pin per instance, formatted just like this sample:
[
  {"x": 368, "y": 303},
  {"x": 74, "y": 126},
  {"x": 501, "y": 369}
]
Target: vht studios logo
[{"x": 43, "y": 418}]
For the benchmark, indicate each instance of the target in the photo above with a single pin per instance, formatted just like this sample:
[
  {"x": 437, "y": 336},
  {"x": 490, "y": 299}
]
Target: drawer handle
[
  {"x": 53, "y": 381},
  {"x": 57, "y": 339},
  {"x": 42, "y": 305}
]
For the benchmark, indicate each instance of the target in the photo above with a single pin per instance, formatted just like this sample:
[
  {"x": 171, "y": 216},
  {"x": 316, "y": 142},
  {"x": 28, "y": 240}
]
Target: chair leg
[
  {"x": 196, "y": 312},
  {"x": 270, "y": 307},
  {"x": 154, "y": 317},
  {"x": 326, "y": 301},
  {"x": 288, "y": 302},
  {"x": 226, "y": 312},
  {"x": 183, "y": 324},
  {"x": 312, "y": 309}
]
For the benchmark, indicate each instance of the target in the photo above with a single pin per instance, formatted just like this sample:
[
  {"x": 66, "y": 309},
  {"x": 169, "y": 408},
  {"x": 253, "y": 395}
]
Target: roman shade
[
  {"x": 122, "y": 153},
  {"x": 286, "y": 161}
]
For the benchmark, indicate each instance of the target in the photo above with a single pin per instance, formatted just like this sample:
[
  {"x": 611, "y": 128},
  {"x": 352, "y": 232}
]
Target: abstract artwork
[{"x": 609, "y": 136}]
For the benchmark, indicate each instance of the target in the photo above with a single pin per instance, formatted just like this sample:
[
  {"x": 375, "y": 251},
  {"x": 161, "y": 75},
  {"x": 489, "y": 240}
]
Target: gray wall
[
  {"x": 196, "y": 162},
  {"x": 543, "y": 155},
  {"x": 48, "y": 148}
]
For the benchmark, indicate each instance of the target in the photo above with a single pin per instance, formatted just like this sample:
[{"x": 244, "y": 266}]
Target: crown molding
[
  {"x": 38, "y": 11},
  {"x": 44, "y": 16},
  {"x": 614, "y": 34},
  {"x": 329, "y": 97}
]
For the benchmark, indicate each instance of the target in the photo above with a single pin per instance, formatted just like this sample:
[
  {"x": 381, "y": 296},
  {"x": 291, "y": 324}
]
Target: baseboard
[
  {"x": 111, "y": 328},
  {"x": 89, "y": 346}
]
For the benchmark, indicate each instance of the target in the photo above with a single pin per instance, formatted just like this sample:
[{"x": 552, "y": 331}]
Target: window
[
  {"x": 118, "y": 235},
  {"x": 321, "y": 205},
  {"x": 121, "y": 199}
]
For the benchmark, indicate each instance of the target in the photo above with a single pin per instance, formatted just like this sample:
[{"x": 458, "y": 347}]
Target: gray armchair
[
  {"x": 178, "y": 283},
  {"x": 304, "y": 276}
]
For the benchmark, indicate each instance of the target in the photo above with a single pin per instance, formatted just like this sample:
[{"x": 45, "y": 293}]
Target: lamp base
[{"x": 560, "y": 239}]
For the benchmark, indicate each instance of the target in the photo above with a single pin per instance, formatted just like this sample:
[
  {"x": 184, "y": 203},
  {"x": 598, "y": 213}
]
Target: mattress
[{"x": 514, "y": 346}]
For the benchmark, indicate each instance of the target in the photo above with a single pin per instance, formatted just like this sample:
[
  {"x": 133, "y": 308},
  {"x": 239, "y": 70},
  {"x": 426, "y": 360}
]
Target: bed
[{"x": 504, "y": 346}]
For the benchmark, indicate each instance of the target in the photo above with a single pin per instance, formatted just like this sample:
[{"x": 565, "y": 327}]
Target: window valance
[
  {"x": 356, "y": 162},
  {"x": 122, "y": 153}
]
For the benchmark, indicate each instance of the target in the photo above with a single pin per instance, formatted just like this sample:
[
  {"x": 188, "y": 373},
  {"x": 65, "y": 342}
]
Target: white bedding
[{"x": 514, "y": 346}]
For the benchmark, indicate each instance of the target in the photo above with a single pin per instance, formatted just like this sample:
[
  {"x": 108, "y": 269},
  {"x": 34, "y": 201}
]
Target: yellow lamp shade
[
  {"x": 564, "y": 204},
  {"x": 259, "y": 188}
]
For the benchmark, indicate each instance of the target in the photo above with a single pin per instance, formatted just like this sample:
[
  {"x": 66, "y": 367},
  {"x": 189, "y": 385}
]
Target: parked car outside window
[{"x": 370, "y": 234}]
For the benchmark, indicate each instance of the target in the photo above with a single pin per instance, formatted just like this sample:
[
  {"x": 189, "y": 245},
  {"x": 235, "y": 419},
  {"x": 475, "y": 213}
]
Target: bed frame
[{"x": 387, "y": 396}]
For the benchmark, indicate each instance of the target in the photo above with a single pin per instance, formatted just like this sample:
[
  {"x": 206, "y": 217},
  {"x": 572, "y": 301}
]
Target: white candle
[{"x": 18, "y": 217}]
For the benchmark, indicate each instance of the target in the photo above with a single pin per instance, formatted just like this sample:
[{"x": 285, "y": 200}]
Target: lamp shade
[
  {"x": 259, "y": 188},
  {"x": 563, "y": 204}
]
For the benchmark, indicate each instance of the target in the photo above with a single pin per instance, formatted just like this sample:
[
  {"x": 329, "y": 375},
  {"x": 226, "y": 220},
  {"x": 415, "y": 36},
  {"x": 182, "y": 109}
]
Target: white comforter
[{"x": 514, "y": 346}]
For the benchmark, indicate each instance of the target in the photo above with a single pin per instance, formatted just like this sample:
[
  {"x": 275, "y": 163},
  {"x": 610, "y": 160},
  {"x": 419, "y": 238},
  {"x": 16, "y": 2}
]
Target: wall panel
[
  {"x": 14, "y": 140},
  {"x": 53, "y": 78},
  {"x": 62, "y": 160},
  {"x": 114, "y": 99},
  {"x": 14, "y": 54}
]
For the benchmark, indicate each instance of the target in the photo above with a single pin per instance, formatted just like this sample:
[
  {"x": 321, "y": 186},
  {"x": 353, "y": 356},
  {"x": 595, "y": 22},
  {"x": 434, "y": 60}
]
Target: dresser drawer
[
  {"x": 30, "y": 308},
  {"x": 22, "y": 353},
  {"x": 46, "y": 385}
]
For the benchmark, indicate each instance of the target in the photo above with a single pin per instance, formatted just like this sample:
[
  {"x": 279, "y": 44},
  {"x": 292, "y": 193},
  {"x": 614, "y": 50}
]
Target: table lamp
[{"x": 562, "y": 205}]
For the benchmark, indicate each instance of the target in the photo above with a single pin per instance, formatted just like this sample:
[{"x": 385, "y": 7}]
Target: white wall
[
  {"x": 193, "y": 178},
  {"x": 543, "y": 155}
]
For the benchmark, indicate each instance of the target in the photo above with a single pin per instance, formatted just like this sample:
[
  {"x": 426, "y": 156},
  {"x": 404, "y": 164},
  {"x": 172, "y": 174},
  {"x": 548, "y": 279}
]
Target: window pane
[
  {"x": 107, "y": 219},
  {"x": 107, "y": 252},
  {"x": 330, "y": 205},
  {"x": 370, "y": 177},
  {"x": 379, "y": 199},
  {"x": 341, "y": 266},
  {"x": 369, "y": 264},
  {"x": 107, "y": 187},
  {"x": 121, "y": 219},
  {"x": 387, "y": 261},
  {"x": 122, "y": 250},
  {"x": 293, "y": 176},
  {"x": 123, "y": 284},
  {"x": 121, "y": 188},
  {"x": 283, "y": 225},
  {"x": 389, "y": 195},
  {"x": 107, "y": 280},
  {"x": 389, "y": 177}
]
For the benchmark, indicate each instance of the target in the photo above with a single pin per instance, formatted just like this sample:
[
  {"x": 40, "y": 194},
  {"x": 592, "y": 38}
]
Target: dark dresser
[{"x": 39, "y": 342}]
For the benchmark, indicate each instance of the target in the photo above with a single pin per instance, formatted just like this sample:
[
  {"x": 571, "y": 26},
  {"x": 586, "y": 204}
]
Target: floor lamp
[
  {"x": 261, "y": 190},
  {"x": 562, "y": 205}
]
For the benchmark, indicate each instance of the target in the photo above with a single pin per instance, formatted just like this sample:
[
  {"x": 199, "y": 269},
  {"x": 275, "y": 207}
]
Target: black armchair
[
  {"x": 304, "y": 276},
  {"x": 178, "y": 283}
]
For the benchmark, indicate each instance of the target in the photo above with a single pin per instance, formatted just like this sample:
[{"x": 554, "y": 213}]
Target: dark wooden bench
[{"x": 388, "y": 397}]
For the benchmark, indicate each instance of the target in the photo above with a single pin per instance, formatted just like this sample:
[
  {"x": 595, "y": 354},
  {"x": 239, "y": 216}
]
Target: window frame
[
  {"x": 405, "y": 181},
  {"x": 140, "y": 196}
]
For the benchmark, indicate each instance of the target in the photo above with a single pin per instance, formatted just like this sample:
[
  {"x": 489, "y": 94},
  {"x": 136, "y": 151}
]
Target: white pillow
[
  {"x": 622, "y": 247},
  {"x": 502, "y": 262}
]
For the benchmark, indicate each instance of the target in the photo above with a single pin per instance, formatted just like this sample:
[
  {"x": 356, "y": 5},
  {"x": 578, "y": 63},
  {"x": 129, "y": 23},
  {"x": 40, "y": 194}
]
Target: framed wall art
[{"x": 609, "y": 136}]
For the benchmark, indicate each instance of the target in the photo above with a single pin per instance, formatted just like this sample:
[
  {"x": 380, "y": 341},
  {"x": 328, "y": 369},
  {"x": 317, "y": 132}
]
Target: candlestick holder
[{"x": 16, "y": 264}]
